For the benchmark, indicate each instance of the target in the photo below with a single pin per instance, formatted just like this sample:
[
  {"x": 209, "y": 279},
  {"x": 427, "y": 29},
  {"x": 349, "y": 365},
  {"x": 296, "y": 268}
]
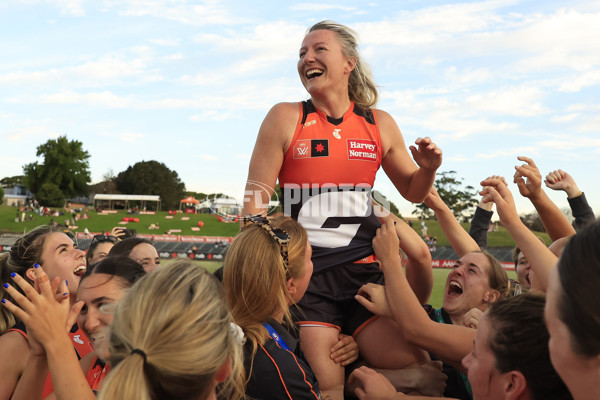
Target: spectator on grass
[
  {"x": 50, "y": 249},
  {"x": 101, "y": 288},
  {"x": 173, "y": 338},
  {"x": 138, "y": 249}
]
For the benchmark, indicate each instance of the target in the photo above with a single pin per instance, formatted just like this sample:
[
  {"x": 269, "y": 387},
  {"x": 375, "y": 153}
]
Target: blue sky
[{"x": 188, "y": 83}]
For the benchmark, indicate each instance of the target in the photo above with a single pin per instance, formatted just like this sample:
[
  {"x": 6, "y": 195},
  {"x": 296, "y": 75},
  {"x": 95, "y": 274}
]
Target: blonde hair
[
  {"x": 25, "y": 252},
  {"x": 255, "y": 275},
  {"x": 361, "y": 87},
  {"x": 178, "y": 318}
]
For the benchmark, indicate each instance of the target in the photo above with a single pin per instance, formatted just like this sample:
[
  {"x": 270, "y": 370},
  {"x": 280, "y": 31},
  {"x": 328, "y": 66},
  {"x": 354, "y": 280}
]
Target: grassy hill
[
  {"x": 97, "y": 223},
  {"x": 212, "y": 227}
]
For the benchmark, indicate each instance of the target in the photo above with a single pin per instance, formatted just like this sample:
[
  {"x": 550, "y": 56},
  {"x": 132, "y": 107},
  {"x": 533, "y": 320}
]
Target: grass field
[
  {"x": 212, "y": 227},
  {"x": 98, "y": 223},
  {"x": 439, "y": 280}
]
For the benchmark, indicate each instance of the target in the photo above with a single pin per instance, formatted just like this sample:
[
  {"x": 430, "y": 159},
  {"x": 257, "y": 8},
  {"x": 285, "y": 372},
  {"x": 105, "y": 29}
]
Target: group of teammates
[{"x": 328, "y": 267}]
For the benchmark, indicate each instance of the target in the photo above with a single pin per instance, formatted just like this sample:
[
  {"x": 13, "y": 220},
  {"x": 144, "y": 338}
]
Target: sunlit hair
[
  {"x": 361, "y": 88},
  {"x": 25, "y": 252},
  {"x": 176, "y": 316},
  {"x": 519, "y": 340},
  {"x": 578, "y": 301},
  {"x": 497, "y": 277},
  {"x": 255, "y": 277}
]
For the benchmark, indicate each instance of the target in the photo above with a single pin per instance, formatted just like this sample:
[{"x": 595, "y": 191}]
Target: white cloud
[
  {"x": 564, "y": 118},
  {"x": 520, "y": 101},
  {"x": 531, "y": 151},
  {"x": 131, "y": 137},
  {"x": 208, "y": 157},
  {"x": 320, "y": 7}
]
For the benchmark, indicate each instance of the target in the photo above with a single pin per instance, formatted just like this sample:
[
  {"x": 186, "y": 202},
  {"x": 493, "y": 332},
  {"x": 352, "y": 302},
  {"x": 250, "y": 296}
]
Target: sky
[{"x": 188, "y": 83}]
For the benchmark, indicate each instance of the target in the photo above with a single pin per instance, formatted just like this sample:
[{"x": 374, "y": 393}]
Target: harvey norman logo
[{"x": 360, "y": 149}]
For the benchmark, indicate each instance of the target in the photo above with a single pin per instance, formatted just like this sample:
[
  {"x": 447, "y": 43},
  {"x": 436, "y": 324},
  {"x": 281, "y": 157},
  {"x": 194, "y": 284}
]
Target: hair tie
[{"x": 141, "y": 353}]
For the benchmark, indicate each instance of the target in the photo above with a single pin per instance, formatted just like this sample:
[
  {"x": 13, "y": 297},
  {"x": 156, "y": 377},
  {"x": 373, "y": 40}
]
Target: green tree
[
  {"x": 65, "y": 165},
  {"x": 50, "y": 195},
  {"x": 1, "y": 194},
  {"x": 152, "y": 177},
  {"x": 460, "y": 200},
  {"x": 12, "y": 181}
]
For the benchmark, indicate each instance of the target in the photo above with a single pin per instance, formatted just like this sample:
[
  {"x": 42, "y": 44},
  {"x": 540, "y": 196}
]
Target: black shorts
[{"x": 329, "y": 298}]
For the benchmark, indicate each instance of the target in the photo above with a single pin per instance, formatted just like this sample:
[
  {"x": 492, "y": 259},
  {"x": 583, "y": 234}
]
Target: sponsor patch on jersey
[
  {"x": 360, "y": 149},
  {"x": 319, "y": 148},
  {"x": 302, "y": 149}
]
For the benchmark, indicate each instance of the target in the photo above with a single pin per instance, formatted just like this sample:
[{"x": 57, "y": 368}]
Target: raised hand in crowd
[
  {"x": 529, "y": 180},
  {"x": 426, "y": 154},
  {"x": 540, "y": 258},
  {"x": 580, "y": 208}
]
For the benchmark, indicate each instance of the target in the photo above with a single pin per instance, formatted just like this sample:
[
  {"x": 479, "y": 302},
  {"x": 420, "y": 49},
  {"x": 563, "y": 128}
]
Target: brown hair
[
  {"x": 497, "y": 277},
  {"x": 25, "y": 252}
]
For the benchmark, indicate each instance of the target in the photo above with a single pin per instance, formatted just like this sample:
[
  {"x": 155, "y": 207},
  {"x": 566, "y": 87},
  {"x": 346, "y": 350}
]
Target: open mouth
[
  {"x": 79, "y": 271},
  {"x": 314, "y": 73},
  {"x": 455, "y": 288},
  {"x": 528, "y": 278}
]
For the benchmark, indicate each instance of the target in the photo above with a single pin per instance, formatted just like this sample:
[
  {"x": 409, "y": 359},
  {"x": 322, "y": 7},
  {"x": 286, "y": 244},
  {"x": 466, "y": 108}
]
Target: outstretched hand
[
  {"x": 495, "y": 190},
  {"x": 427, "y": 155},
  {"x": 528, "y": 178},
  {"x": 386, "y": 244},
  {"x": 560, "y": 180}
]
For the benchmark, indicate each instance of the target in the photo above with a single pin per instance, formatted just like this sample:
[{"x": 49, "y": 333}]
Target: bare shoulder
[
  {"x": 390, "y": 133},
  {"x": 278, "y": 126},
  {"x": 13, "y": 347}
]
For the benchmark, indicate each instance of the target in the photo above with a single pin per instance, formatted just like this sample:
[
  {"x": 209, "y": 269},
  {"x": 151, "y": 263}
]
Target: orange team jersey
[
  {"x": 80, "y": 342},
  {"x": 96, "y": 374},
  {"x": 326, "y": 179}
]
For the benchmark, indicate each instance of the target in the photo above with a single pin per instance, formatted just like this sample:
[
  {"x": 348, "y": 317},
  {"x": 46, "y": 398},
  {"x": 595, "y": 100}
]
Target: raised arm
[
  {"x": 583, "y": 213},
  {"x": 480, "y": 224},
  {"x": 273, "y": 140},
  {"x": 418, "y": 258},
  {"x": 412, "y": 181},
  {"x": 539, "y": 257},
  {"x": 529, "y": 180},
  {"x": 449, "y": 342},
  {"x": 460, "y": 240}
]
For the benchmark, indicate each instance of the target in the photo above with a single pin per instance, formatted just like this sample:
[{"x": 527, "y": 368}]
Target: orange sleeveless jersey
[{"x": 326, "y": 179}]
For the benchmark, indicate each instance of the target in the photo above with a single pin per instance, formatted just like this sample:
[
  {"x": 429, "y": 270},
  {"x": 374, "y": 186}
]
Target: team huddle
[{"x": 330, "y": 300}]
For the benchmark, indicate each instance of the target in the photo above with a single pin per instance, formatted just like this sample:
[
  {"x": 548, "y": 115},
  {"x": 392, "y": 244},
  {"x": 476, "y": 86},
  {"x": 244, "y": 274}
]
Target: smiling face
[
  {"x": 146, "y": 255},
  {"x": 485, "y": 379},
  {"x": 100, "y": 294},
  {"x": 322, "y": 64},
  {"x": 61, "y": 257},
  {"x": 468, "y": 285}
]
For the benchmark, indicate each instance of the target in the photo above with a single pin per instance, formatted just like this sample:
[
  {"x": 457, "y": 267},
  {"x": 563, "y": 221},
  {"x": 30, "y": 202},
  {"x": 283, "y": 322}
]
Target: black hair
[
  {"x": 124, "y": 247},
  {"x": 124, "y": 268},
  {"x": 578, "y": 301},
  {"x": 519, "y": 340}
]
